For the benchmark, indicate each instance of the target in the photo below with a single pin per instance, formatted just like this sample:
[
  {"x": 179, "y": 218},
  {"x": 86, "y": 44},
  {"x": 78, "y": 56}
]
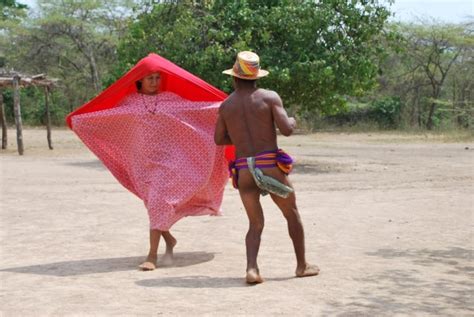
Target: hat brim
[{"x": 261, "y": 73}]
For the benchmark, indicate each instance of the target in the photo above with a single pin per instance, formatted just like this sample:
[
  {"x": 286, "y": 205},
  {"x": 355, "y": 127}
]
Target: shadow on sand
[
  {"x": 317, "y": 168},
  {"x": 300, "y": 168},
  {"x": 199, "y": 281},
  {"x": 94, "y": 266},
  {"x": 94, "y": 164},
  {"x": 446, "y": 289}
]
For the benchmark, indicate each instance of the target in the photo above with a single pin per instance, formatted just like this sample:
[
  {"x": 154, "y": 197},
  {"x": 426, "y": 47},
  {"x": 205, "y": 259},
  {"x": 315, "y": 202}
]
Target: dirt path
[{"x": 388, "y": 218}]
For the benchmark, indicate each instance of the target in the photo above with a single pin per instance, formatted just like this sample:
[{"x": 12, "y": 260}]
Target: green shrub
[{"x": 386, "y": 112}]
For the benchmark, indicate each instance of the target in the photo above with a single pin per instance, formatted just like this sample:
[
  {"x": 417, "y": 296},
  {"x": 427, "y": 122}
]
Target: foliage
[
  {"x": 33, "y": 109},
  {"x": 386, "y": 112},
  {"x": 430, "y": 66},
  {"x": 380, "y": 114},
  {"x": 325, "y": 57},
  {"x": 317, "y": 52},
  {"x": 11, "y": 14},
  {"x": 11, "y": 10},
  {"x": 71, "y": 40}
]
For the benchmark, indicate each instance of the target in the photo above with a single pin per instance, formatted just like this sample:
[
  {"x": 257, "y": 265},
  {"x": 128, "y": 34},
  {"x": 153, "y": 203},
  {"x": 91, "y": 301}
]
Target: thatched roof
[{"x": 6, "y": 80}]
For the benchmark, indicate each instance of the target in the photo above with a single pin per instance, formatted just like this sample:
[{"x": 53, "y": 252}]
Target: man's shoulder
[
  {"x": 225, "y": 104},
  {"x": 268, "y": 94},
  {"x": 230, "y": 98},
  {"x": 227, "y": 100}
]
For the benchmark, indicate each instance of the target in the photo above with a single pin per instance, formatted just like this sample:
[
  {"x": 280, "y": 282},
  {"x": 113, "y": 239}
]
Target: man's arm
[
  {"x": 221, "y": 136},
  {"x": 285, "y": 124}
]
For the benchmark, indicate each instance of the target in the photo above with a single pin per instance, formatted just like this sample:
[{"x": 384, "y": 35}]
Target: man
[{"x": 247, "y": 120}]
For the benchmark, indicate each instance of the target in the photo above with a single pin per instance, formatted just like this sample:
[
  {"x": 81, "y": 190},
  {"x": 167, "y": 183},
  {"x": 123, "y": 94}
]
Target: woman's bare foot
[
  {"x": 149, "y": 264},
  {"x": 253, "y": 277},
  {"x": 168, "y": 257},
  {"x": 308, "y": 270}
]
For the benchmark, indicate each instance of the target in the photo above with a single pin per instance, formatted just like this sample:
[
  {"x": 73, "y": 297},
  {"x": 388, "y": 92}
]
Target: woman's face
[{"x": 150, "y": 84}]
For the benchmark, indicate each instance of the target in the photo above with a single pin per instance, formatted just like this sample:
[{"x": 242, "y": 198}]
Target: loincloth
[{"x": 268, "y": 159}]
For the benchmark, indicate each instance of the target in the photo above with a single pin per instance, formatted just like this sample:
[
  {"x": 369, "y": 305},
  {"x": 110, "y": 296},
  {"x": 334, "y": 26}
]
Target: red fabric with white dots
[
  {"x": 161, "y": 148},
  {"x": 173, "y": 79}
]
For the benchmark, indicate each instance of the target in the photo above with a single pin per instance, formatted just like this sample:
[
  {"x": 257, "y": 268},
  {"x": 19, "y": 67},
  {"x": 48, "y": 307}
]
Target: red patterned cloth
[
  {"x": 162, "y": 149},
  {"x": 159, "y": 147}
]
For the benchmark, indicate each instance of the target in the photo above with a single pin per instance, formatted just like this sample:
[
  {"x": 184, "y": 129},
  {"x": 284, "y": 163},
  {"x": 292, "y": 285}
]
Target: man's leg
[
  {"x": 150, "y": 262},
  {"x": 170, "y": 243},
  {"x": 295, "y": 229},
  {"x": 250, "y": 195}
]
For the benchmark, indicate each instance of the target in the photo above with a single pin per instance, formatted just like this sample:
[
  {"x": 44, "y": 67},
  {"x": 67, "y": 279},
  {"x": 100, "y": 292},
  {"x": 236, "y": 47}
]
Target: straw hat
[{"x": 247, "y": 66}]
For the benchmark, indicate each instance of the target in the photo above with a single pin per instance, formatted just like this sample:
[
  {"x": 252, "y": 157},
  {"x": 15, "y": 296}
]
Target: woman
[
  {"x": 149, "y": 86},
  {"x": 159, "y": 144}
]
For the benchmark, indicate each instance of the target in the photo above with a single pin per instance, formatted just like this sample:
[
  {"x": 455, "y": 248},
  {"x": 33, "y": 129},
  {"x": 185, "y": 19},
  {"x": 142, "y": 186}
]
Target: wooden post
[
  {"x": 4, "y": 123},
  {"x": 48, "y": 117},
  {"x": 17, "y": 111}
]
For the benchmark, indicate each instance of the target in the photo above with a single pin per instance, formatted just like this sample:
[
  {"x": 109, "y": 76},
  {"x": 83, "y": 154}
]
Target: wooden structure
[{"x": 17, "y": 81}]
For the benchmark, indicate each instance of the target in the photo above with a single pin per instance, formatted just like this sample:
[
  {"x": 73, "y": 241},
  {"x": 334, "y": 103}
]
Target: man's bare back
[{"x": 248, "y": 117}]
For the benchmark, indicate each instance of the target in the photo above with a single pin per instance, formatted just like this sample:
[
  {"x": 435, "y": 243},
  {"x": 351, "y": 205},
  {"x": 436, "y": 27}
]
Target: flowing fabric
[
  {"x": 173, "y": 79},
  {"x": 160, "y": 147}
]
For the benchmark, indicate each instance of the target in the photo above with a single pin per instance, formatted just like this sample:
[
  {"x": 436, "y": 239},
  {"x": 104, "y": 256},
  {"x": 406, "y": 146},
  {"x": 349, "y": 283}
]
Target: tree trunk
[
  {"x": 48, "y": 117},
  {"x": 435, "y": 95},
  {"x": 414, "y": 110},
  {"x": 17, "y": 112},
  {"x": 94, "y": 72},
  {"x": 4, "y": 123},
  {"x": 429, "y": 123},
  {"x": 463, "y": 100},
  {"x": 70, "y": 99},
  {"x": 455, "y": 116}
]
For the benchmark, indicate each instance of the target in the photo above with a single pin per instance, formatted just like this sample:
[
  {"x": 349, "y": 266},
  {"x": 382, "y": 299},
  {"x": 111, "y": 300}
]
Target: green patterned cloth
[{"x": 266, "y": 183}]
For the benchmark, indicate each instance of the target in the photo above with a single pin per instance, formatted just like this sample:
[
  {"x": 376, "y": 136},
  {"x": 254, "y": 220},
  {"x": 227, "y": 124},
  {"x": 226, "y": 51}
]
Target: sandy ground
[{"x": 388, "y": 218}]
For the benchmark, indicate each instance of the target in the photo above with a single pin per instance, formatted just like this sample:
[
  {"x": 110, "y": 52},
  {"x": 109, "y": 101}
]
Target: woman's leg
[
  {"x": 170, "y": 244},
  {"x": 150, "y": 262}
]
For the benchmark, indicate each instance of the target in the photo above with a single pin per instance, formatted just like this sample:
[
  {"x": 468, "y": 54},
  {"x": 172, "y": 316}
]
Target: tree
[
  {"x": 459, "y": 85},
  {"x": 11, "y": 14},
  {"x": 317, "y": 52},
  {"x": 88, "y": 26},
  {"x": 11, "y": 10},
  {"x": 420, "y": 63},
  {"x": 74, "y": 40},
  {"x": 433, "y": 51}
]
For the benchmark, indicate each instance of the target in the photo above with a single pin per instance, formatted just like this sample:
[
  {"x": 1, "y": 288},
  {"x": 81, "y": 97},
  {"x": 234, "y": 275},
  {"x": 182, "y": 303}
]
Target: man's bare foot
[
  {"x": 149, "y": 264},
  {"x": 253, "y": 277},
  {"x": 308, "y": 270}
]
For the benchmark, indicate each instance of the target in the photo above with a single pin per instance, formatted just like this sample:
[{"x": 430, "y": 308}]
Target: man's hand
[
  {"x": 292, "y": 121},
  {"x": 285, "y": 124}
]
